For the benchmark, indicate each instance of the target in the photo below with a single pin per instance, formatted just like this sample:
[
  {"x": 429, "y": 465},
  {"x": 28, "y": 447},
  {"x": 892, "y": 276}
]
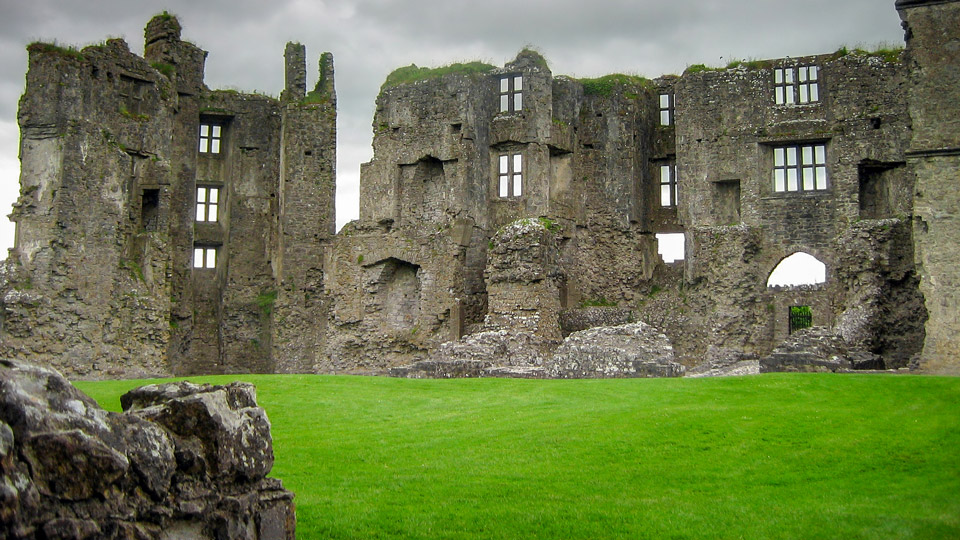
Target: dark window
[
  {"x": 666, "y": 109},
  {"x": 210, "y": 138},
  {"x": 511, "y": 93},
  {"x": 878, "y": 189},
  {"x": 510, "y": 175},
  {"x": 668, "y": 185},
  {"x": 149, "y": 209},
  {"x": 204, "y": 256},
  {"x": 132, "y": 91},
  {"x": 800, "y": 317},
  {"x": 728, "y": 202},
  {"x": 208, "y": 202},
  {"x": 800, "y": 168},
  {"x": 794, "y": 85}
]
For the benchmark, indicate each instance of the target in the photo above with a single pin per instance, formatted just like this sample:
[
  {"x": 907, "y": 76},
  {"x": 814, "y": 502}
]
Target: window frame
[
  {"x": 796, "y": 85},
  {"x": 510, "y": 99},
  {"x": 204, "y": 203},
  {"x": 669, "y": 109},
  {"x": 211, "y": 138},
  {"x": 671, "y": 183},
  {"x": 510, "y": 170},
  {"x": 794, "y": 158},
  {"x": 206, "y": 255}
]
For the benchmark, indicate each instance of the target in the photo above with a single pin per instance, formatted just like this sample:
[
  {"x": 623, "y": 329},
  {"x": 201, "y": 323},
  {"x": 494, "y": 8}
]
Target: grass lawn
[{"x": 770, "y": 456}]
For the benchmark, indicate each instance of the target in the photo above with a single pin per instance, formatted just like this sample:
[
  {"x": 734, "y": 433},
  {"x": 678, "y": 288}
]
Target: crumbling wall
[
  {"x": 728, "y": 129},
  {"x": 934, "y": 158},
  {"x": 307, "y": 215},
  {"x": 134, "y": 175},
  {"x": 183, "y": 461},
  {"x": 87, "y": 287}
]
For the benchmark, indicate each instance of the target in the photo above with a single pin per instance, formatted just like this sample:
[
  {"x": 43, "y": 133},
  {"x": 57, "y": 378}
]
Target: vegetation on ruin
[
  {"x": 315, "y": 96},
  {"x": 165, "y": 69},
  {"x": 55, "y": 48},
  {"x": 598, "y": 302},
  {"x": 770, "y": 456},
  {"x": 265, "y": 301},
  {"x": 749, "y": 64},
  {"x": 603, "y": 86},
  {"x": 414, "y": 73},
  {"x": 887, "y": 51},
  {"x": 133, "y": 116}
]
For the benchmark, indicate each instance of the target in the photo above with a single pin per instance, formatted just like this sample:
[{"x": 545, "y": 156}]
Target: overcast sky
[{"x": 369, "y": 38}]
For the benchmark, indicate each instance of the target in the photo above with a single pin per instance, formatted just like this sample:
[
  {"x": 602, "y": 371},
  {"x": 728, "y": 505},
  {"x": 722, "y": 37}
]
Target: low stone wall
[{"x": 183, "y": 461}]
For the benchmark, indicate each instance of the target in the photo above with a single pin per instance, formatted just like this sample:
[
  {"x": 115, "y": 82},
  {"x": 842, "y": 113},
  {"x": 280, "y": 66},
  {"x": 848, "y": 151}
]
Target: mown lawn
[{"x": 770, "y": 456}]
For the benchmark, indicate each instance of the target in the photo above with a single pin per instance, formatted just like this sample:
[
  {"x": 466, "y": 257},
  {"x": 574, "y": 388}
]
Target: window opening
[
  {"x": 878, "y": 191},
  {"x": 208, "y": 201},
  {"x": 670, "y": 246},
  {"x": 800, "y": 168},
  {"x": 204, "y": 257},
  {"x": 796, "y": 85},
  {"x": 800, "y": 317},
  {"x": 132, "y": 90},
  {"x": 728, "y": 202},
  {"x": 666, "y": 109},
  {"x": 149, "y": 209},
  {"x": 510, "y": 175},
  {"x": 668, "y": 185},
  {"x": 210, "y": 138},
  {"x": 798, "y": 269},
  {"x": 511, "y": 93}
]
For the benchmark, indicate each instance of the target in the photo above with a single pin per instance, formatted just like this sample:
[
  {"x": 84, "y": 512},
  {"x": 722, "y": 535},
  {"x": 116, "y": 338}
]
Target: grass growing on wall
[
  {"x": 771, "y": 456},
  {"x": 414, "y": 73}
]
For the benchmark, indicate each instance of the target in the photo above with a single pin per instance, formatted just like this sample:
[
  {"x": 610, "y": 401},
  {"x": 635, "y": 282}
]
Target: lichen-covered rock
[
  {"x": 628, "y": 350},
  {"x": 484, "y": 354},
  {"x": 818, "y": 349},
  {"x": 724, "y": 362},
  {"x": 187, "y": 461},
  {"x": 218, "y": 429}
]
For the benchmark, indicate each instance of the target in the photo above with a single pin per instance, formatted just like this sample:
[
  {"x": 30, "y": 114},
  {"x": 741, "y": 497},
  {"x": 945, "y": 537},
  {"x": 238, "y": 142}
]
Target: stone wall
[
  {"x": 87, "y": 289},
  {"x": 460, "y": 154},
  {"x": 182, "y": 461},
  {"x": 103, "y": 280},
  {"x": 933, "y": 53}
]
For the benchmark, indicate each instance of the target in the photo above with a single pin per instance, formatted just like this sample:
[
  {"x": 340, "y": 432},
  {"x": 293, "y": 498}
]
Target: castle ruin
[{"x": 166, "y": 228}]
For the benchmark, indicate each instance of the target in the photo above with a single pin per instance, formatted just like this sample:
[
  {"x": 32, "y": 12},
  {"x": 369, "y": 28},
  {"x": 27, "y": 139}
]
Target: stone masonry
[
  {"x": 183, "y": 461},
  {"x": 167, "y": 228}
]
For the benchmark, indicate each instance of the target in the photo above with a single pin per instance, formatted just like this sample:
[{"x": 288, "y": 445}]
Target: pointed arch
[{"x": 798, "y": 268}]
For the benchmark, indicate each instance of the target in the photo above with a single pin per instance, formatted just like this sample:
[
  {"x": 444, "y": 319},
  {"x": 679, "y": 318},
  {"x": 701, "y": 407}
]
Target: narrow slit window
[
  {"x": 511, "y": 93},
  {"x": 510, "y": 175},
  {"x": 800, "y": 168},
  {"x": 208, "y": 202},
  {"x": 204, "y": 257},
  {"x": 210, "y": 138}
]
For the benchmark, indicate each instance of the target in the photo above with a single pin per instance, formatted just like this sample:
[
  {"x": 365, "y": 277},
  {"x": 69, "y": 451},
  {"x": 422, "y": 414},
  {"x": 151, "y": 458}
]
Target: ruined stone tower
[{"x": 164, "y": 227}]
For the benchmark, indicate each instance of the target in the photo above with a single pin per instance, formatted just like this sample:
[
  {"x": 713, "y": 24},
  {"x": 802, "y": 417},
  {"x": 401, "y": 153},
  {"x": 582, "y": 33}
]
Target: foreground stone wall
[{"x": 182, "y": 461}]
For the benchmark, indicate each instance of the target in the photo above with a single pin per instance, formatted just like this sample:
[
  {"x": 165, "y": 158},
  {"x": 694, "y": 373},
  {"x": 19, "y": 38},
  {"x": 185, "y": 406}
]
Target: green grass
[
  {"x": 414, "y": 73},
  {"x": 604, "y": 86},
  {"x": 771, "y": 456}
]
